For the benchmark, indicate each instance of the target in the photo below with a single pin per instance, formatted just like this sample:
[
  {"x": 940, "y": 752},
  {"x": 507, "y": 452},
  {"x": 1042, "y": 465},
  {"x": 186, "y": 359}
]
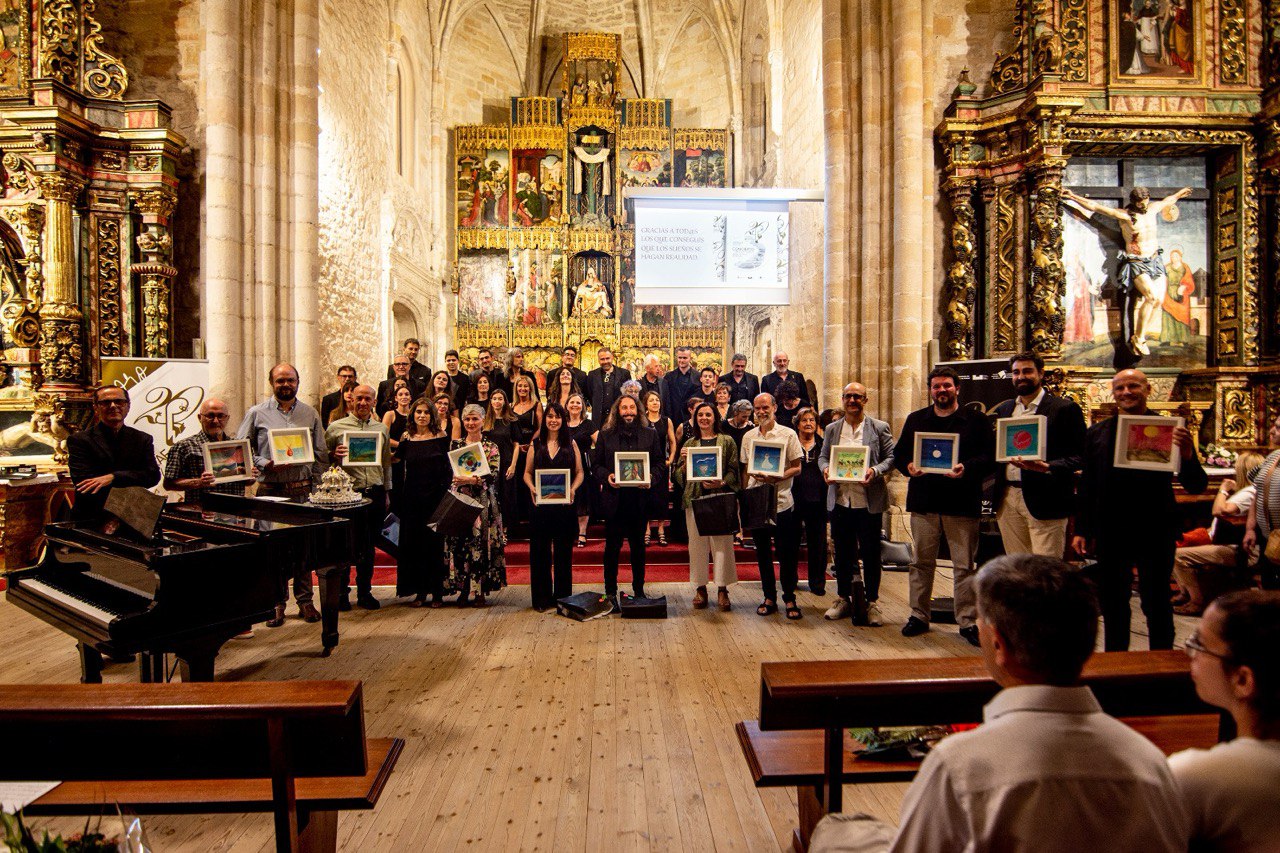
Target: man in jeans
[
  {"x": 857, "y": 509},
  {"x": 947, "y": 504},
  {"x": 786, "y": 533}
]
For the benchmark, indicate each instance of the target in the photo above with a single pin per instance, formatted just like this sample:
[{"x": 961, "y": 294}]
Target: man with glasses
[
  {"x": 330, "y": 401},
  {"x": 108, "y": 454},
  {"x": 283, "y": 410},
  {"x": 184, "y": 468},
  {"x": 419, "y": 372},
  {"x": 857, "y": 509},
  {"x": 568, "y": 361},
  {"x": 400, "y": 366}
]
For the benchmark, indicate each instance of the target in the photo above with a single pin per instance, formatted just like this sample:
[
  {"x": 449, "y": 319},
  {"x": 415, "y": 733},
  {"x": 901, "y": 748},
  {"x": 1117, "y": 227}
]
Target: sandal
[
  {"x": 700, "y": 598},
  {"x": 582, "y": 540},
  {"x": 767, "y": 607},
  {"x": 792, "y": 609},
  {"x": 722, "y": 600},
  {"x": 647, "y": 534},
  {"x": 662, "y": 536}
]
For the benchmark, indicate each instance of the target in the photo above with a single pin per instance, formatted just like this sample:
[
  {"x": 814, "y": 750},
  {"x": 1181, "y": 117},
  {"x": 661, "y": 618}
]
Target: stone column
[
  {"x": 155, "y": 272},
  {"x": 304, "y": 131},
  {"x": 61, "y": 320},
  {"x": 1048, "y": 275}
]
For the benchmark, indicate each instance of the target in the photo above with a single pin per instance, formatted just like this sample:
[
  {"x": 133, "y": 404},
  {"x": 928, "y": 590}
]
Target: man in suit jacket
[
  {"x": 1128, "y": 517},
  {"x": 857, "y": 509},
  {"x": 420, "y": 372},
  {"x": 108, "y": 454},
  {"x": 1034, "y": 499},
  {"x": 769, "y": 384},
  {"x": 568, "y": 361},
  {"x": 604, "y": 384},
  {"x": 386, "y": 393},
  {"x": 742, "y": 385},
  {"x": 329, "y": 402}
]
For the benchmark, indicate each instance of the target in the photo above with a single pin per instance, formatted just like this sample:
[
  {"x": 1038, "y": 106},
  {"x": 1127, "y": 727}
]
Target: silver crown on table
[{"x": 335, "y": 489}]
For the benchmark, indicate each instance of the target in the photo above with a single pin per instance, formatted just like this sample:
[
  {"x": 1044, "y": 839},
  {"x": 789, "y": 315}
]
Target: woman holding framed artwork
[
  {"x": 810, "y": 492},
  {"x": 553, "y": 475},
  {"x": 479, "y": 557},
  {"x": 581, "y": 430},
  {"x": 423, "y": 454},
  {"x": 718, "y": 547},
  {"x": 661, "y": 424}
]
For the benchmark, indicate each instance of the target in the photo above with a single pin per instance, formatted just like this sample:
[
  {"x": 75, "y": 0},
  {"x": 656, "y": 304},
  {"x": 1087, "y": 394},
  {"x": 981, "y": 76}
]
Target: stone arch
[
  {"x": 404, "y": 125},
  {"x": 474, "y": 63},
  {"x": 404, "y": 324},
  {"x": 686, "y": 69}
]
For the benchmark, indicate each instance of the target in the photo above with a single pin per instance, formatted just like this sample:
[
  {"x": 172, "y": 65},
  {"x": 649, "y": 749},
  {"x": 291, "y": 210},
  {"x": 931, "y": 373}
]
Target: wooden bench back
[
  {"x": 940, "y": 691},
  {"x": 220, "y": 730}
]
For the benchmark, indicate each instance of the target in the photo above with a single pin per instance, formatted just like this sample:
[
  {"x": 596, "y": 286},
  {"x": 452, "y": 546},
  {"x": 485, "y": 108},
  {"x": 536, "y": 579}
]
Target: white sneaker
[
  {"x": 874, "y": 619},
  {"x": 838, "y": 610}
]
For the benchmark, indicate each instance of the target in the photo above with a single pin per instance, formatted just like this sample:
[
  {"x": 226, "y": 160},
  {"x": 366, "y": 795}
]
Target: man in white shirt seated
[
  {"x": 1231, "y": 791},
  {"x": 1047, "y": 770}
]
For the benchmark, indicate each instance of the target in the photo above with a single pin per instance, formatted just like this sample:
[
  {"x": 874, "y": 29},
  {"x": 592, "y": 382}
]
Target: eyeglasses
[
  {"x": 855, "y": 396},
  {"x": 1194, "y": 647},
  {"x": 215, "y": 416},
  {"x": 107, "y": 404}
]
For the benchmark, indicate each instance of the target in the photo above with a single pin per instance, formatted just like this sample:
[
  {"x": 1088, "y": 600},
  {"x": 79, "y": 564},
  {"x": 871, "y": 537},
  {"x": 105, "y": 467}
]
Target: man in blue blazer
[
  {"x": 1035, "y": 499},
  {"x": 857, "y": 509}
]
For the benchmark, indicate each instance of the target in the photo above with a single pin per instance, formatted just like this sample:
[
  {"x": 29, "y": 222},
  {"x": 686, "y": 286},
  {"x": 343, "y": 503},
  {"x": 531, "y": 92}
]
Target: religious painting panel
[
  {"x": 537, "y": 190},
  {"x": 700, "y": 167},
  {"x": 593, "y": 186},
  {"x": 591, "y": 285},
  {"x": 593, "y": 83},
  {"x": 482, "y": 288},
  {"x": 1100, "y": 315},
  {"x": 483, "y": 189},
  {"x": 1156, "y": 42},
  {"x": 15, "y": 53},
  {"x": 539, "y": 287}
]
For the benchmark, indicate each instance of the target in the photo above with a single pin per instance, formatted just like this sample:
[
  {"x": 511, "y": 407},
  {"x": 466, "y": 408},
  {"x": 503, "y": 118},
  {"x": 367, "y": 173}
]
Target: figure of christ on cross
[{"x": 1141, "y": 272}]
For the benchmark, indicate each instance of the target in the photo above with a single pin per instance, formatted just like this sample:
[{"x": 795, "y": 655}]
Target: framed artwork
[
  {"x": 364, "y": 448},
  {"x": 291, "y": 446},
  {"x": 1145, "y": 442},
  {"x": 1157, "y": 42},
  {"x": 1021, "y": 438},
  {"x": 631, "y": 468},
  {"x": 937, "y": 452},
  {"x": 230, "y": 461},
  {"x": 551, "y": 486},
  {"x": 469, "y": 461},
  {"x": 766, "y": 457},
  {"x": 848, "y": 463},
  {"x": 702, "y": 464}
]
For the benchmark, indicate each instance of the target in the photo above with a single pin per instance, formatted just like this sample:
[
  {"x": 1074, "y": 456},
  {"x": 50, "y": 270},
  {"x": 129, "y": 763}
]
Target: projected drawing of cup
[{"x": 747, "y": 250}]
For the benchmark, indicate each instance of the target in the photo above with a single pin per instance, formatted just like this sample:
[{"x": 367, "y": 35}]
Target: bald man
[
  {"x": 1127, "y": 518},
  {"x": 184, "y": 469}
]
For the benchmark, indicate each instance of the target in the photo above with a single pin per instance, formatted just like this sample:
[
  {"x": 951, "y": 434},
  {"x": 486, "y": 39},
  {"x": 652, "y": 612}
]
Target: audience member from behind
[
  {"x": 1047, "y": 770},
  {"x": 1230, "y": 791}
]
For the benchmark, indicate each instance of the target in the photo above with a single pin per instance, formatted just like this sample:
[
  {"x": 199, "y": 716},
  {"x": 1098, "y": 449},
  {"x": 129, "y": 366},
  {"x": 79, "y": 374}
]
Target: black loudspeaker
[{"x": 942, "y": 611}]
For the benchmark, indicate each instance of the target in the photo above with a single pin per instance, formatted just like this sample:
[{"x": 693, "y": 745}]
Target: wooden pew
[
  {"x": 296, "y": 749},
  {"x": 806, "y": 707}
]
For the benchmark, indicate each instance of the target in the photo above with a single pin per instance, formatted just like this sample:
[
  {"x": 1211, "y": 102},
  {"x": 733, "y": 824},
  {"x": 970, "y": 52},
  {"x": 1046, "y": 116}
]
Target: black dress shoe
[
  {"x": 344, "y": 603},
  {"x": 914, "y": 627},
  {"x": 309, "y": 613},
  {"x": 971, "y": 634},
  {"x": 368, "y": 602},
  {"x": 278, "y": 619}
]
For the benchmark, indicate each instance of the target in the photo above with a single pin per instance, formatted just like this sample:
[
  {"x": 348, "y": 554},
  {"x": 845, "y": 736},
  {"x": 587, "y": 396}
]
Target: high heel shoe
[
  {"x": 662, "y": 536},
  {"x": 582, "y": 540}
]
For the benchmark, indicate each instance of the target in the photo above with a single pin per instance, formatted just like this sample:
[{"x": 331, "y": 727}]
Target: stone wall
[{"x": 693, "y": 69}]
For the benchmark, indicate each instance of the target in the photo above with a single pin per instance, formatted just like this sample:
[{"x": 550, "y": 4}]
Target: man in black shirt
[
  {"x": 108, "y": 454},
  {"x": 568, "y": 361},
  {"x": 947, "y": 504},
  {"x": 400, "y": 367},
  {"x": 742, "y": 385},
  {"x": 770, "y": 383},
  {"x": 1129, "y": 518},
  {"x": 604, "y": 384},
  {"x": 679, "y": 385},
  {"x": 484, "y": 359},
  {"x": 651, "y": 379},
  {"x": 417, "y": 370},
  {"x": 329, "y": 402},
  {"x": 624, "y": 509},
  {"x": 459, "y": 382}
]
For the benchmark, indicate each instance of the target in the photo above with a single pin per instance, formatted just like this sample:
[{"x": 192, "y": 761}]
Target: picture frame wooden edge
[
  {"x": 1118, "y": 459},
  {"x": 832, "y": 466},
  {"x": 631, "y": 455},
  {"x": 537, "y": 487},
  {"x": 458, "y": 451}
]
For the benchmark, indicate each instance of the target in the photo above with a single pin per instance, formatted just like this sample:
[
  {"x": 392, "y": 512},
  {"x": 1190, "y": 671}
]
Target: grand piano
[{"x": 206, "y": 575}]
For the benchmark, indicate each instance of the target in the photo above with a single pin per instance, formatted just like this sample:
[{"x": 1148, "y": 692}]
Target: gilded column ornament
[
  {"x": 156, "y": 204},
  {"x": 1249, "y": 249},
  {"x": 1074, "y": 31},
  {"x": 1236, "y": 422},
  {"x": 1004, "y": 306},
  {"x": 1048, "y": 276},
  {"x": 1009, "y": 72},
  {"x": 961, "y": 290},
  {"x": 110, "y": 314},
  {"x": 61, "y": 321},
  {"x": 1233, "y": 52},
  {"x": 1270, "y": 43},
  {"x": 71, "y": 50}
]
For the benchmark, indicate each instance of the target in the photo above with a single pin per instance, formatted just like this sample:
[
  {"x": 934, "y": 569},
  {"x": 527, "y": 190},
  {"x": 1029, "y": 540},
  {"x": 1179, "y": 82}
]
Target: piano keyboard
[{"x": 69, "y": 601}]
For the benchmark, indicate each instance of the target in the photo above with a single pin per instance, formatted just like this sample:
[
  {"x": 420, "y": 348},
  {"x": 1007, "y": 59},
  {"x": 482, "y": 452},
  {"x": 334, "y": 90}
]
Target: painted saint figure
[
  {"x": 591, "y": 299},
  {"x": 1141, "y": 273},
  {"x": 592, "y": 181},
  {"x": 1176, "y": 317}
]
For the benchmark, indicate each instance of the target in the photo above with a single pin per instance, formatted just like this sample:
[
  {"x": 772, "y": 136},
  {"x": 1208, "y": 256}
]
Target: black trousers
[
  {"x": 855, "y": 532},
  {"x": 786, "y": 536},
  {"x": 552, "y": 533},
  {"x": 368, "y": 528},
  {"x": 1113, "y": 574},
  {"x": 812, "y": 517},
  {"x": 626, "y": 524}
]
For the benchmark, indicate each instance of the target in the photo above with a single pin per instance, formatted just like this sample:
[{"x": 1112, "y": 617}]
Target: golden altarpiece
[
  {"x": 544, "y": 249},
  {"x": 1097, "y": 97},
  {"x": 89, "y": 189}
]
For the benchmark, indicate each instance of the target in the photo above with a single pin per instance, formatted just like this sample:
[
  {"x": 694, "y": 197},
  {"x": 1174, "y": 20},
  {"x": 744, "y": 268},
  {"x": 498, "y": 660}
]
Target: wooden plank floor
[{"x": 526, "y": 731}]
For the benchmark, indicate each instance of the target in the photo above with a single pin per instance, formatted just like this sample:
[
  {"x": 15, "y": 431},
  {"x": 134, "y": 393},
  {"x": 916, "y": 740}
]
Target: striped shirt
[{"x": 1266, "y": 508}]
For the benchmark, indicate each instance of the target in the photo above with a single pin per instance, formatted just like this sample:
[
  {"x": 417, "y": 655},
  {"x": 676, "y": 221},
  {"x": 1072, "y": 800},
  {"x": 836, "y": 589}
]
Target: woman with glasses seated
[{"x": 1230, "y": 790}]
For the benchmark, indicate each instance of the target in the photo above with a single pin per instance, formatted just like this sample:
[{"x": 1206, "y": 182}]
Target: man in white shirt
[
  {"x": 1047, "y": 770},
  {"x": 786, "y": 532}
]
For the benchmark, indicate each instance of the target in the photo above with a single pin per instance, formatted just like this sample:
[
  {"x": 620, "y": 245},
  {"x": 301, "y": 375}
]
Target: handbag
[
  {"x": 1272, "y": 549},
  {"x": 716, "y": 514},
  {"x": 455, "y": 516},
  {"x": 758, "y": 506}
]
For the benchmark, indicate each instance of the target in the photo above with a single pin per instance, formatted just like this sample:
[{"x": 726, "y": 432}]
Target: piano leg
[
  {"x": 90, "y": 664},
  {"x": 151, "y": 668},
  {"x": 332, "y": 580},
  {"x": 196, "y": 666}
]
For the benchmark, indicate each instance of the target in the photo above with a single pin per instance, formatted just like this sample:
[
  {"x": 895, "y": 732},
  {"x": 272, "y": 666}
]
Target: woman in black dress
[
  {"x": 553, "y": 525},
  {"x": 500, "y": 428},
  {"x": 661, "y": 477},
  {"x": 439, "y": 384},
  {"x": 395, "y": 420},
  {"x": 480, "y": 390},
  {"x": 423, "y": 450},
  {"x": 527, "y": 410},
  {"x": 563, "y": 386},
  {"x": 447, "y": 415},
  {"x": 809, "y": 490},
  {"x": 582, "y": 431}
]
